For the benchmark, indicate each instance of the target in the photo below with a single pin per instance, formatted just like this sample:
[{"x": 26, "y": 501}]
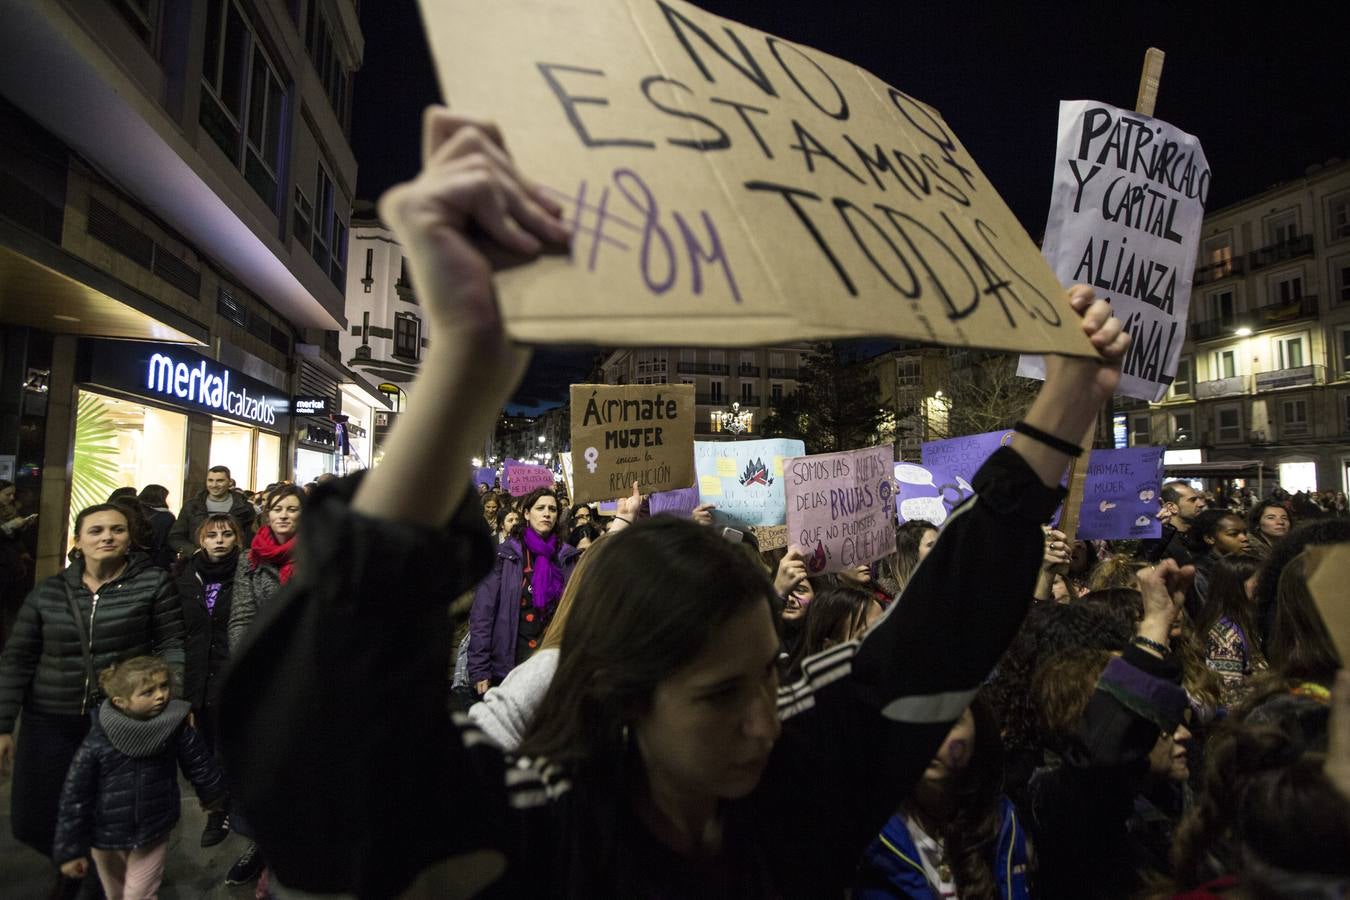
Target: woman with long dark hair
[
  {"x": 515, "y": 603},
  {"x": 913, "y": 540},
  {"x": 1227, "y": 626},
  {"x": 840, "y": 611},
  {"x": 1215, "y": 533},
  {"x": 1268, "y": 523},
  {"x": 662, "y": 762},
  {"x": 956, "y": 835}
]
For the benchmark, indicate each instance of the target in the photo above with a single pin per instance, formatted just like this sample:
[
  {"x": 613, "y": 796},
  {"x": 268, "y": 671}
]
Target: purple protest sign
[
  {"x": 963, "y": 456},
  {"x": 522, "y": 478},
  {"x": 839, "y": 507},
  {"x": 679, "y": 502},
  {"x": 1120, "y": 495},
  {"x": 928, "y": 492},
  {"x": 484, "y": 475}
]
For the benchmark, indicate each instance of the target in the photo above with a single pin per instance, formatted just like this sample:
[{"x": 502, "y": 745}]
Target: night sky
[{"x": 1267, "y": 93}]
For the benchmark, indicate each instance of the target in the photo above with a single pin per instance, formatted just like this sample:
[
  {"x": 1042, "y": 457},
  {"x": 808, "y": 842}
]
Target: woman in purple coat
[{"x": 514, "y": 604}]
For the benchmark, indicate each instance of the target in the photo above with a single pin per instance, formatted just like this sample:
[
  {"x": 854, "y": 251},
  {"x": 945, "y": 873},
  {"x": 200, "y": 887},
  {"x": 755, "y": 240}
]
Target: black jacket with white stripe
[{"x": 365, "y": 781}]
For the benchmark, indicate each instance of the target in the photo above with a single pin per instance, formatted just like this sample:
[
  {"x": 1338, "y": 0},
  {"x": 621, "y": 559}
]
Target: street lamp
[
  {"x": 735, "y": 420},
  {"x": 1244, "y": 331}
]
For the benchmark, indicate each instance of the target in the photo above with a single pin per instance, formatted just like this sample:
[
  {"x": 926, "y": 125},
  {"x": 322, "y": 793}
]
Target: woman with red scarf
[
  {"x": 514, "y": 604},
  {"x": 262, "y": 571}
]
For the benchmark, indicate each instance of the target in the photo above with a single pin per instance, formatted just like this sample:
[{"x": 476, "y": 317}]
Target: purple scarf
[{"x": 547, "y": 584}]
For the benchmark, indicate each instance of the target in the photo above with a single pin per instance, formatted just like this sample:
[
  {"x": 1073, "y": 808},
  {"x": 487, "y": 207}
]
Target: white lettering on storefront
[{"x": 208, "y": 388}]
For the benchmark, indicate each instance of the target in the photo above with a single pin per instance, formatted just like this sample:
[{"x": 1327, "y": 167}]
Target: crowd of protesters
[{"x": 652, "y": 706}]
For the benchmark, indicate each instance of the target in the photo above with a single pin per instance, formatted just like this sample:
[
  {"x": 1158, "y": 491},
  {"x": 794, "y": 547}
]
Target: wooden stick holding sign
[{"x": 1149, "y": 80}]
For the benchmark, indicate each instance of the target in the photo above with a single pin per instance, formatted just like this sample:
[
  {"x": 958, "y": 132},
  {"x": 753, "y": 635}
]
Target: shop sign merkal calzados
[{"x": 180, "y": 376}]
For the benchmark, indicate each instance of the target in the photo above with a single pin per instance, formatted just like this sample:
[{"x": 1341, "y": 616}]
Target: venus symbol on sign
[{"x": 591, "y": 455}]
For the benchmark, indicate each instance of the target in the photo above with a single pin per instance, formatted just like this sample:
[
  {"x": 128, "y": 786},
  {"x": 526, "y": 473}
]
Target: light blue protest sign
[{"x": 744, "y": 479}]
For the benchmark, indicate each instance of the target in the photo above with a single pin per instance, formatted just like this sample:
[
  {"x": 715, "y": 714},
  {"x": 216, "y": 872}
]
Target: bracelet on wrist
[
  {"x": 1058, "y": 444},
  {"x": 623, "y": 520},
  {"x": 1149, "y": 644}
]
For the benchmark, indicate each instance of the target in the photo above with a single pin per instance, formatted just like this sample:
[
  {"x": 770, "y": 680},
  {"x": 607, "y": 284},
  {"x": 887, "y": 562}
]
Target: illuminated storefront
[{"x": 156, "y": 413}]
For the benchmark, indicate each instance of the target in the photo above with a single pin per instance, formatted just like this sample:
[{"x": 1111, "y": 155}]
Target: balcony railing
[
  {"x": 1287, "y": 311},
  {"x": 1279, "y": 251},
  {"x": 1270, "y": 316},
  {"x": 1294, "y": 429},
  {"x": 1218, "y": 271},
  {"x": 1221, "y": 387},
  {"x": 748, "y": 371},
  {"x": 1287, "y": 378},
  {"x": 712, "y": 400},
  {"x": 783, "y": 373},
  {"x": 688, "y": 368}
]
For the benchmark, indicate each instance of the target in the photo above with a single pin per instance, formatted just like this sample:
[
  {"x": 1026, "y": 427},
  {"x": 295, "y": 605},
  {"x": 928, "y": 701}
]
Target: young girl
[{"x": 121, "y": 794}]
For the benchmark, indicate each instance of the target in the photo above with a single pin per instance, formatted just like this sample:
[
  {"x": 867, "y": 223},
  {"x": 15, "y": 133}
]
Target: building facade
[
  {"x": 1265, "y": 370},
  {"x": 753, "y": 378},
  {"x": 175, "y": 184}
]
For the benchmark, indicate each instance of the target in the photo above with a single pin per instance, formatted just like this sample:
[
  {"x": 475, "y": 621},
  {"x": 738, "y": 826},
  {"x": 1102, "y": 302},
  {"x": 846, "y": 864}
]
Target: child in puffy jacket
[{"x": 120, "y": 799}]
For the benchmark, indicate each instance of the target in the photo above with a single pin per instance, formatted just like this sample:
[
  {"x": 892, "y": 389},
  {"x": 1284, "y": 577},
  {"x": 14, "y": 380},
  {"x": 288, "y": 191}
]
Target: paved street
[{"x": 191, "y": 873}]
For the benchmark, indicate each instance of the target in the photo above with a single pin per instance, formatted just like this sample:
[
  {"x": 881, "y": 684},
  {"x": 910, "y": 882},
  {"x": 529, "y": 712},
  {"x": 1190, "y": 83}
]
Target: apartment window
[
  {"x": 1141, "y": 431},
  {"x": 242, "y": 106},
  {"x": 1286, "y": 289},
  {"x": 1341, "y": 271},
  {"x": 1218, "y": 252},
  {"x": 1345, "y": 413},
  {"x": 1222, "y": 308},
  {"x": 1183, "y": 427},
  {"x": 715, "y": 392},
  {"x": 652, "y": 362},
  {"x": 776, "y": 390},
  {"x": 142, "y": 16},
  {"x": 1338, "y": 224},
  {"x": 747, "y": 393},
  {"x": 369, "y": 279},
  {"x": 777, "y": 363},
  {"x": 747, "y": 365},
  {"x": 718, "y": 359},
  {"x": 407, "y": 335},
  {"x": 330, "y": 232},
  {"x": 1284, "y": 228},
  {"x": 322, "y": 49},
  {"x": 1224, "y": 364},
  {"x": 303, "y": 219},
  {"x": 403, "y": 280},
  {"x": 1181, "y": 385},
  {"x": 1229, "y": 420},
  {"x": 1294, "y": 417},
  {"x": 1290, "y": 352}
]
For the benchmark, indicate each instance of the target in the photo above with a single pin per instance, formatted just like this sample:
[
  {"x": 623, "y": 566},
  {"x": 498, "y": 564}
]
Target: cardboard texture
[
  {"x": 627, "y": 433},
  {"x": 770, "y": 537},
  {"x": 727, "y": 187},
  {"x": 1125, "y": 216},
  {"x": 1330, "y": 568},
  {"x": 839, "y": 507}
]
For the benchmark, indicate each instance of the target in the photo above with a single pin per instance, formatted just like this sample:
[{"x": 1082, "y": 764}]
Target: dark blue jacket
[
  {"x": 892, "y": 866},
  {"x": 494, "y": 619},
  {"x": 117, "y": 802}
]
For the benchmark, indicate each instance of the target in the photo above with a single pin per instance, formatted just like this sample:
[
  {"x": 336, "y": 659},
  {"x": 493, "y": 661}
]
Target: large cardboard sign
[
  {"x": 1329, "y": 566},
  {"x": 1125, "y": 216},
  {"x": 744, "y": 479},
  {"x": 627, "y": 433},
  {"x": 1120, "y": 495},
  {"x": 521, "y": 478},
  {"x": 728, "y": 187},
  {"x": 839, "y": 507},
  {"x": 963, "y": 456}
]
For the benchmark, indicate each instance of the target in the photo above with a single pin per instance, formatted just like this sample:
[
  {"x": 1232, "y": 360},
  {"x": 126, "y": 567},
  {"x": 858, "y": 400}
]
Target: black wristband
[
  {"x": 1057, "y": 444},
  {"x": 1142, "y": 641}
]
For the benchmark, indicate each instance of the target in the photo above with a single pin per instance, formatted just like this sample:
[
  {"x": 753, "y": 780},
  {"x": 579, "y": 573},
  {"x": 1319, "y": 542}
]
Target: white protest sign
[
  {"x": 1125, "y": 215},
  {"x": 727, "y": 187}
]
